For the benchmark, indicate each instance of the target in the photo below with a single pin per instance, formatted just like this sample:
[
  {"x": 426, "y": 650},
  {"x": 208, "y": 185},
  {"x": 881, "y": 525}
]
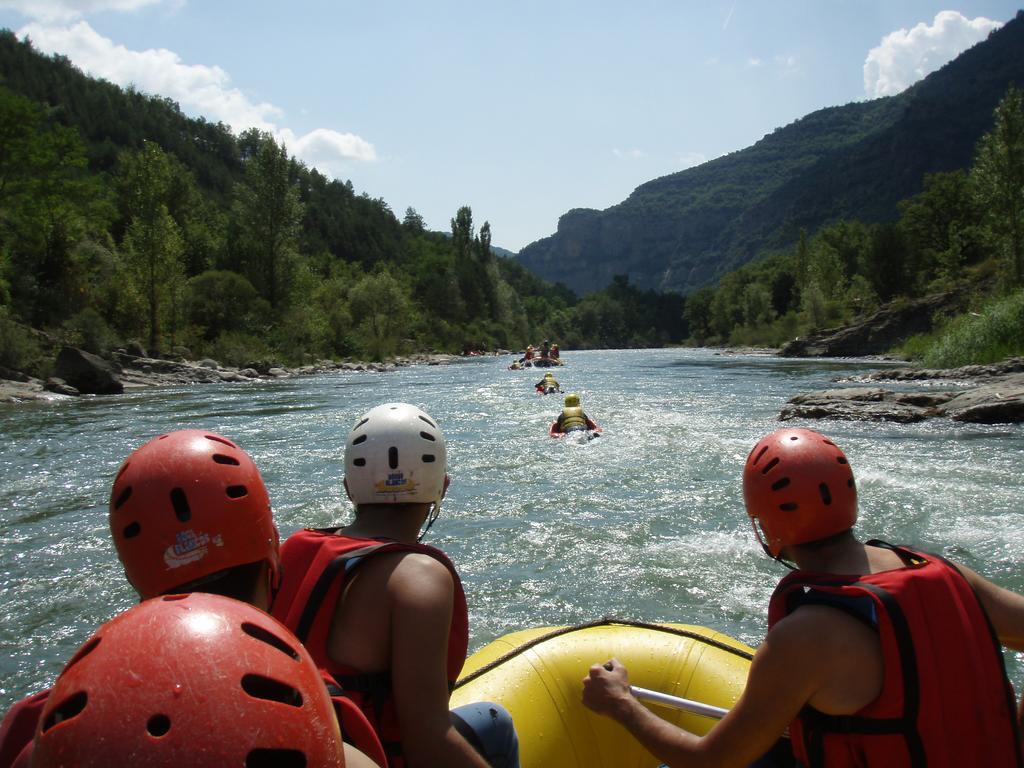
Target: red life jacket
[
  {"x": 19, "y": 728},
  {"x": 945, "y": 698},
  {"x": 314, "y": 566}
]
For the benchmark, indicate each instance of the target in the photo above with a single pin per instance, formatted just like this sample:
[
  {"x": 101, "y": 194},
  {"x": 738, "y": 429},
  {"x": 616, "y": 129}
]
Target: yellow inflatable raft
[{"x": 537, "y": 675}]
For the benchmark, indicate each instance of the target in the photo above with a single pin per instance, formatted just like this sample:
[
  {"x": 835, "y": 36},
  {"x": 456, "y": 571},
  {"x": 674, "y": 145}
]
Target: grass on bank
[{"x": 992, "y": 333}]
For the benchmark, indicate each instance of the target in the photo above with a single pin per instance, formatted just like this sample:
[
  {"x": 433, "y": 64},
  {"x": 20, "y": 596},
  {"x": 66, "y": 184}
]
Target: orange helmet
[
  {"x": 189, "y": 681},
  {"x": 798, "y": 487},
  {"x": 188, "y": 505}
]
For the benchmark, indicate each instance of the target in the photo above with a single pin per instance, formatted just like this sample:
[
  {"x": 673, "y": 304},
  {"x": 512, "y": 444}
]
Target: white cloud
[
  {"x": 69, "y": 10},
  {"x": 691, "y": 159},
  {"x": 728, "y": 18},
  {"x": 631, "y": 154},
  {"x": 788, "y": 63},
  {"x": 200, "y": 90},
  {"x": 754, "y": 62},
  {"x": 906, "y": 56},
  {"x": 322, "y": 147}
]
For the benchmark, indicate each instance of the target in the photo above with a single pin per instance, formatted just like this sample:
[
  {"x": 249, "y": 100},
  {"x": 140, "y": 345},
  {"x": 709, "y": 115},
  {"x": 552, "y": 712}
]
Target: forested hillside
[
  {"x": 957, "y": 246},
  {"x": 858, "y": 161},
  {"x": 121, "y": 219}
]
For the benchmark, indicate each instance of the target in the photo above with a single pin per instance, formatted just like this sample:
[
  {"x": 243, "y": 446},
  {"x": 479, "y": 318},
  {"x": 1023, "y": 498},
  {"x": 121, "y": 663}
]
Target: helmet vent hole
[
  {"x": 132, "y": 530},
  {"x": 361, "y": 422},
  {"x": 158, "y": 725},
  {"x": 789, "y": 506},
  {"x": 360, "y": 462},
  {"x": 265, "y": 636},
  {"x": 358, "y": 440},
  {"x": 424, "y": 418},
  {"x": 125, "y": 495},
  {"x": 180, "y": 503},
  {"x": 275, "y": 758},
  {"x": 219, "y": 439},
  {"x": 84, "y": 651},
  {"x": 759, "y": 455},
  {"x": 67, "y": 709},
  {"x": 770, "y": 466},
  {"x": 429, "y": 458},
  {"x": 826, "y": 494},
  {"x": 849, "y": 483},
  {"x": 393, "y": 457},
  {"x": 427, "y": 436},
  {"x": 260, "y": 687},
  {"x": 220, "y": 458},
  {"x": 236, "y": 491},
  {"x": 778, "y": 485},
  {"x": 841, "y": 459}
]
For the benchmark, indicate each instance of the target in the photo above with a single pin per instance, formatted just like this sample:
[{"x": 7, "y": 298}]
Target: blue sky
[{"x": 521, "y": 110}]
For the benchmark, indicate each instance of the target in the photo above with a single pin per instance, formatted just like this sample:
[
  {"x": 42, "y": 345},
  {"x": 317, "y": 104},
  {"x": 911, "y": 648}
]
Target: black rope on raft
[{"x": 603, "y": 622}]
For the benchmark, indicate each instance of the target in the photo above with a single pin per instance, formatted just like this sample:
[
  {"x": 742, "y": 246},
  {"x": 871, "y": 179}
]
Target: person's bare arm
[
  {"x": 788, "y": 670},
  {"x": 422, "y": 593},
  {"x": 1004, "y": 608}
]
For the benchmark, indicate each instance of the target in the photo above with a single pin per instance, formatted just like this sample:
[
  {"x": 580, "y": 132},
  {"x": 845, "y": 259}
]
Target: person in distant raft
[
  {"x": 548, "y": 384},
  {"x": 572, "y": 418},
  {"x": 386, "y": 615},
  {"x": 189, "y": 512},
  {"x": 876, "y": 655}
]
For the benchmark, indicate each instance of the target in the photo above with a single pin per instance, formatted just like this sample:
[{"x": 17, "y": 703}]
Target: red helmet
[
  {"x": 189, "y": 681},
  {"x": 799, "y": 487},
  {"x": 188, "y": 505}
]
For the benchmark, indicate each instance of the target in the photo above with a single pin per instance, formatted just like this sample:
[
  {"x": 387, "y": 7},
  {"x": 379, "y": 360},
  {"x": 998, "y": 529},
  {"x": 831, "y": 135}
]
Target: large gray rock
[
  {"x": 864, "y": 404},
  {"x": 877, "y": 333},
  {"x": 60, "y": 387},
  {"x": 983, "y": 395},
  {"x": 1001, "y": 402},
  {"x": 89, "y": 374}
]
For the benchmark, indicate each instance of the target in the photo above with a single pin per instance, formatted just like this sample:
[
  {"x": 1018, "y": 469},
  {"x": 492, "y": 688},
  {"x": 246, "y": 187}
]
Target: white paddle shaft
[{"x": 687, "y": 705}]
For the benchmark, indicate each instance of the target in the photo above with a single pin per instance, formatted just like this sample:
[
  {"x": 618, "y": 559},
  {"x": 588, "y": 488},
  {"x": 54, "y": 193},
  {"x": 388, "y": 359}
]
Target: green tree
[
  {"x": 468, "y": 268},
  {"x": 413, "y": 221},
  {"x": 697, "y": 313},
  {"x": 382, "y": 310},
  {"x": 267, "y": 213},
  {"x": 998, "y": 178},
  {"x": 153, "y": 241},
  {"x": 219, "y": 301},
  {"x": 937, "y": 227},
  {"x": 757, "y": 305},
  {"x": 48, "y": 203}
]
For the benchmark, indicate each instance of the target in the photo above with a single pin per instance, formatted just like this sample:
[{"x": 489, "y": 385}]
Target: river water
[{"x": 646, "y": 522}]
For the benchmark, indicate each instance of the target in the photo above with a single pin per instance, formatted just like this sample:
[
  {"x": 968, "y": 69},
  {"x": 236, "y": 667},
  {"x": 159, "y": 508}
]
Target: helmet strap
[
  {"x": 767, "y": 550},
  {"x": 778, "y": 558},
  {"x": 434, "y": 514}
]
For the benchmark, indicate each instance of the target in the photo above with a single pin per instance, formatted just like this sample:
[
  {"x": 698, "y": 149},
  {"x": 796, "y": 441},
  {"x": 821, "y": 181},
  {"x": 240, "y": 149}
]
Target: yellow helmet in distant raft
[{"x": 572, "y": 400}]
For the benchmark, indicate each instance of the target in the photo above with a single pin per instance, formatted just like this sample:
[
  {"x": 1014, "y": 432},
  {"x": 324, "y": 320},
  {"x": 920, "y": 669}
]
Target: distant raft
[
  {"x": 592, "y": 431},
  {"x": 537, "y": 675}
]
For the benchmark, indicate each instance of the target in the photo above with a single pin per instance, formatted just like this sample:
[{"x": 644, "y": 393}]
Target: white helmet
[{"x": 395, "y": 454}]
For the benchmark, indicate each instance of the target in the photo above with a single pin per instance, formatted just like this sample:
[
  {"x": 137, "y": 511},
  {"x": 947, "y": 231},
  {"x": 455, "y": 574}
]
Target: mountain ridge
[{"x": 687, "y": 229}]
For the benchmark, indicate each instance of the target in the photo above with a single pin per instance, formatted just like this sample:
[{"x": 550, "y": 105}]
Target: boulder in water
[{"x": 89, "y": 374}]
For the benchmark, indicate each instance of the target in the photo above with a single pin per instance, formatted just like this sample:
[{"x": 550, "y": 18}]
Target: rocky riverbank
[
  {"x": 78, "y": 373},
  {"x": 980, "y": 394}
]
